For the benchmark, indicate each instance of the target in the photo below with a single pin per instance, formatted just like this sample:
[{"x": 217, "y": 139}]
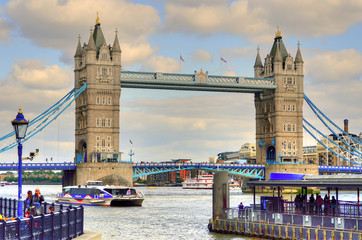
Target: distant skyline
[{"x": 38, "y": 40}]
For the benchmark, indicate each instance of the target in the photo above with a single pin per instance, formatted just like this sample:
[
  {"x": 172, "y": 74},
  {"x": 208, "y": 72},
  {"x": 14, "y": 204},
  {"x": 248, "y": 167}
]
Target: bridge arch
[
  {"x": 270, "y": 155},
  {"x": 81, "y": 152}
]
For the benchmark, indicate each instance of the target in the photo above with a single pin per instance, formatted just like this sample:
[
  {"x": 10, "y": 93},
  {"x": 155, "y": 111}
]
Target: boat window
[
  {"x": 84, "y": 191},
  {"x": 95, "y": 183},
  {"x": 122, "y": 191},
  {"x": 66, "y": 190}
]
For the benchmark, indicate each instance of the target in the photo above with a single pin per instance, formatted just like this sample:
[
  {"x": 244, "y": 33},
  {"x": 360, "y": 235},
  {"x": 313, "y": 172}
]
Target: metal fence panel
[
  {"x": 25, "y": 229},
  {"x": 48, "y": 226},
  {"x": 72, "y": 223},
  {"x": 57, "y": 226},
  {"x": 65, "y": 226},
  {"x": 62, "y": 224},
  {"x": 11, "y": 230}
]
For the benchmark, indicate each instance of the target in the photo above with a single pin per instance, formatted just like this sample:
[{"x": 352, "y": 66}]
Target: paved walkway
[{"x": 88, "y": 235}]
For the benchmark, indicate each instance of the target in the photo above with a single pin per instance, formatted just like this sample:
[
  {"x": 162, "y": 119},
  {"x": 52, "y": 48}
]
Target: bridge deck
[{"x": 194, "y": 82}]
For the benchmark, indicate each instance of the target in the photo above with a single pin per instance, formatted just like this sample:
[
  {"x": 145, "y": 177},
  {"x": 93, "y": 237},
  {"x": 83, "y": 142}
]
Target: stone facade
[
  {"x": 279, "y": 112},
  {"x": 97, "y": 108},
  {"x": 109, "y": 173}
]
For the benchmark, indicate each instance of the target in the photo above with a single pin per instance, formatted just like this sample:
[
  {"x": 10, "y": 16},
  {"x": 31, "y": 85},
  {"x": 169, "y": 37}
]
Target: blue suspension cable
[
  {"x": 50, "y": 112},
  {"x": 330, "y": 140},
  {"x": 311, "y": 103},
  {"x": 328, "y": 148},
  {"x": 314, "y": 108},
  {"x": 39, "y": 117}
]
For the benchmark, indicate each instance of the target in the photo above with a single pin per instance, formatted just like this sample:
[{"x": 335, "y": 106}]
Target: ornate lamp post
[{"x": 20, "y": 126}]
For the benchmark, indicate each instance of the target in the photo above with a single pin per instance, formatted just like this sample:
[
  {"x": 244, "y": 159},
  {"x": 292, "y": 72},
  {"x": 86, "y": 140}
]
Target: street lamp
[{"x": 20, "y": 126}]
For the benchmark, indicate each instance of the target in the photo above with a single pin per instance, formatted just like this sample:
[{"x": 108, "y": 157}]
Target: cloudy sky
[{"x": 38, "y": 39}]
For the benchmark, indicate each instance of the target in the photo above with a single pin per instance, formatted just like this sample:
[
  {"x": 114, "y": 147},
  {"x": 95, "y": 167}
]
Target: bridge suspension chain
[
  {"x": 47, "y": 117},
  {"x": 351, "y": 148}
]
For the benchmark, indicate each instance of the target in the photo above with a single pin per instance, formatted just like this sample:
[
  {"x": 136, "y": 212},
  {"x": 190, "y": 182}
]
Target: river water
[{"x": 167, "y": 213}]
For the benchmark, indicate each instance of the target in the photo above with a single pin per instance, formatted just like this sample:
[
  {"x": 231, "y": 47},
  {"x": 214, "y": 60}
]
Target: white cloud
[
  {"x": 334, "y": 66},
  {"x": 333, "y": 83},
  {"x": 32, "y": 74},
  {"x": 57, "y": 24},
  {"x": 34, "y": 85},
  {"x": 162, "y": 64},
  {"x": 257, "y": 19},
  {"x": 201, "y": 55}
]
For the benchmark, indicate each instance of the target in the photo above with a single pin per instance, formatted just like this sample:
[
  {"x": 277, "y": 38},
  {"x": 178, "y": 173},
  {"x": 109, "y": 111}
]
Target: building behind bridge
[{"x": 320, "y": 155}]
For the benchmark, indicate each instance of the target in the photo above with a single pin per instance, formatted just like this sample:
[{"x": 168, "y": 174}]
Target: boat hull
[{"x": 111, "y": 202}]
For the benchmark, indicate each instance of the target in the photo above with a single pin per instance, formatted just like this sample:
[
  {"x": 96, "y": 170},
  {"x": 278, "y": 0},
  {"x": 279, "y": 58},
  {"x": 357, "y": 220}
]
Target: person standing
[
  {"x": 38, "y": 199},
  {"x": 241, "y": 207},
  {"x": 28, "y": 201}
]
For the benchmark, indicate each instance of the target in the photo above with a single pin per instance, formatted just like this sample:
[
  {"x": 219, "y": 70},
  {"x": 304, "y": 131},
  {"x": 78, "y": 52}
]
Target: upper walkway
[{"x": 194, "y": 82}]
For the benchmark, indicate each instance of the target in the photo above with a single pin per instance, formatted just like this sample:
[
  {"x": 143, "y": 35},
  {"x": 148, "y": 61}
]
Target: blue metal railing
[{"x": 65, "y": 223}]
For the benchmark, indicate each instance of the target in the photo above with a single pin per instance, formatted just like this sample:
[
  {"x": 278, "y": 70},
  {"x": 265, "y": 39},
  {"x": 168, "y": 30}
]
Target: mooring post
[{"x": 220, "y": 195}]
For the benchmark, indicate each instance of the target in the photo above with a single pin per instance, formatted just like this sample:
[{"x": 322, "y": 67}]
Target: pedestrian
[
  {"x": 311, "y": 203},
  {"x": 334, "y": 205},
  {"x": 241, "y": 207},
  {"x": 326, "y": 205},
  {"x": 319, "y": 202},
  {"x": 28, "y": 201},
  {"x": 297, "y": 202},
  {"x": 38, "y": 199}
]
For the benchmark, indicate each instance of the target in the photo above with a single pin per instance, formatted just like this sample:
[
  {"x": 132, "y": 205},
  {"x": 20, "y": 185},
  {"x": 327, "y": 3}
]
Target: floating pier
[{"x": 273, "y": 217}]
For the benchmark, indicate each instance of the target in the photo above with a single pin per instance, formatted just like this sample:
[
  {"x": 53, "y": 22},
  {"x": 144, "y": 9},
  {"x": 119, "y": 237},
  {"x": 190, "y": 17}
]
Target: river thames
[{"x": 167, "y": 213}]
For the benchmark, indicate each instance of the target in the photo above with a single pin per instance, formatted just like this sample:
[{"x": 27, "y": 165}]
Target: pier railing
[
  {"x": 344, "y": 219},
  {"x": 65, "y": 222}
]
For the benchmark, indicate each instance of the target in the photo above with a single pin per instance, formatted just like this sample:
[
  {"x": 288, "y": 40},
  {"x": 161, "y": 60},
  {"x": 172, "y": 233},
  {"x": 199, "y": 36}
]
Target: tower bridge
[{"x": 277, "y": 86}]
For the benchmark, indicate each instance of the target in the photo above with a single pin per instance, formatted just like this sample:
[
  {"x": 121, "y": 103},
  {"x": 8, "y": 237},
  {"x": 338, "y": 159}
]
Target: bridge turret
[
  {"x": 91, "y": 50},
  {"x": 299, "y": 61},
  {"x": 78, "y": 55},
  {"x": 116, "y": 51},
  {"x": 277, "y": 61},
  {"x": 258, "y": 66}
]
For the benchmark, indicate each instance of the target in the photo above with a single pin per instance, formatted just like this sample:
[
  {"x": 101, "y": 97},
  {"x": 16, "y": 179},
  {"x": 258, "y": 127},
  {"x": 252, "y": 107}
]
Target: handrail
[{"x": 66, "y": 222}]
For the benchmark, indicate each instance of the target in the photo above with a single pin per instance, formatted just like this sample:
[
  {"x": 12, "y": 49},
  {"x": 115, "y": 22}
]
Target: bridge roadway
[{"x": 144, "y": 169}]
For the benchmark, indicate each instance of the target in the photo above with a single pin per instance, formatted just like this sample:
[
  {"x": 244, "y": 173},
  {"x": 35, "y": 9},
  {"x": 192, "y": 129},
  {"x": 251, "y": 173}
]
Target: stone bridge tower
[
  {"x": 279, "y": 112},
  {"x": 97, "y": 108},
  {"x": 97, "y": 113}
]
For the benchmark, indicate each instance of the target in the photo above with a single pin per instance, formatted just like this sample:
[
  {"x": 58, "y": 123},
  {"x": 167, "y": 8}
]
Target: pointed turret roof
[
  {"x": 278, "y": 41},
  {"x": 91, "y": 44},
  {"x": 78, "y": 52},
  {"x": 278, "y": 56},
  {"x": 116, "y": 47},
  {"x": 298, "y": 57},
  {"x": 258, "y": 62}
]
